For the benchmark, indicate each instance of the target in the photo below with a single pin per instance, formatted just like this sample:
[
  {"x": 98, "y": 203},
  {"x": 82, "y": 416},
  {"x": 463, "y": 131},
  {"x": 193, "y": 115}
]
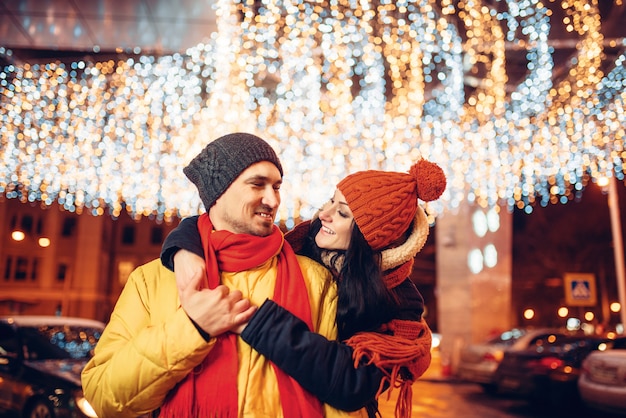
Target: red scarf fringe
[{"x": 407, "y": 350}]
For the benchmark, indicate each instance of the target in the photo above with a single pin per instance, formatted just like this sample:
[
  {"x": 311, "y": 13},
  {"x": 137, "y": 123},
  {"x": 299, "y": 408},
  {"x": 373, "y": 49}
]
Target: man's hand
[{"x": 214, "y": 310}]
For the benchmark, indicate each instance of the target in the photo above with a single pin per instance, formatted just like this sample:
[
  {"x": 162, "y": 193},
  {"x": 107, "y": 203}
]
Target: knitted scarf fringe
[{"x": 391, "y": 354}]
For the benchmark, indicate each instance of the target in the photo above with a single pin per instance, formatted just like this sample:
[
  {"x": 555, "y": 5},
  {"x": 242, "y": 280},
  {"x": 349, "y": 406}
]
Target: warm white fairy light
[{"x": 335, "y": 87}]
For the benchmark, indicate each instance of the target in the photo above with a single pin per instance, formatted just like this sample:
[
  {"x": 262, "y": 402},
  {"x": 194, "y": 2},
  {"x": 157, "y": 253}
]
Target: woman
[{"x": 367, "y": 235}]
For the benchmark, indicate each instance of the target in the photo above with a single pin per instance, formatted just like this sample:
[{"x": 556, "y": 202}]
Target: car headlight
[{"x": 84, "y": 406}]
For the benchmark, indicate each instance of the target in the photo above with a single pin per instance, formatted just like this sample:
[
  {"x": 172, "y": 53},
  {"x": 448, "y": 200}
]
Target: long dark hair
[{"x": 364, "y": 302}]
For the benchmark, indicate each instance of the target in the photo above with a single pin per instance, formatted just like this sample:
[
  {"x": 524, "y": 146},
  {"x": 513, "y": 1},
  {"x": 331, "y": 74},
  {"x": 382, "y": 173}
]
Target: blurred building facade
[{"x": 70, "y": 264}]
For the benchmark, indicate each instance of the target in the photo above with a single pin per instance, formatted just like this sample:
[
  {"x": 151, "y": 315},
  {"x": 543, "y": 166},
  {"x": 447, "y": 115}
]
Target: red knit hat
[{"x": 384, "y": 203}]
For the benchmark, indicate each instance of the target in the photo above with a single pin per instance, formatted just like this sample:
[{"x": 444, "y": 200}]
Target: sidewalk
[{"x": 438, "y": 372}]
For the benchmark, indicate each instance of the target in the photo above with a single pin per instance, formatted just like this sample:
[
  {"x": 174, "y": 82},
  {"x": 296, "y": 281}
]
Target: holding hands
[{"x": 216, "y": 310}]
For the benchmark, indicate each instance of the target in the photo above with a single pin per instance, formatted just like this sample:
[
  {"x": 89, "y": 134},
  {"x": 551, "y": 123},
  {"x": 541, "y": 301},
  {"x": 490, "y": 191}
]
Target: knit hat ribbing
[
  {"x": 385, "y": 203},
  {"x": 223, "y": 160}
]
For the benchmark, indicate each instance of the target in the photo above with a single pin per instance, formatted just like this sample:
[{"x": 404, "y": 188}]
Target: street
[
  {"x": 432, "y": 399},
  {"x": 437, "y": 396}
]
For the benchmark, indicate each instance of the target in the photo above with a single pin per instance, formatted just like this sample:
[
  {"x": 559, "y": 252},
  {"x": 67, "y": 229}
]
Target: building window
[
  {"x": 128, "y": 235},
  {"x": 69, "y": 225},
  {"x": 35, "y": 269},
  {"x": 156, "y": 235},
  {"x": 61, "y": 272},
  {"x": 27, "y": 223},
  {"x": 7, "y": 268},
  {"x": 39, "y": 229},
  {"x": 21, "y": 268}
]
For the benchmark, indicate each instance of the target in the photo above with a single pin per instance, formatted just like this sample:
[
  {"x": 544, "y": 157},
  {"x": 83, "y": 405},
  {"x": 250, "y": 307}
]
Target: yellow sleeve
[
  {"x": 147, "y": 347},
  {"x": 322, "y": 296}
]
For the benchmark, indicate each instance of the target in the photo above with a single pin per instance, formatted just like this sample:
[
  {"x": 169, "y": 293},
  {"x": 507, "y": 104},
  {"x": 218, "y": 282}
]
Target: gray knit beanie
[{"x": 223, "y": 160}]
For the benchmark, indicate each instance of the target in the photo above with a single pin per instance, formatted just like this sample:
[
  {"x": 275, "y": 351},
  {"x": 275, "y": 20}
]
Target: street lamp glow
[
  {"x": 490, "y": 254},
  {"x": 475, "y": 261},
  {"x": 615, "y": 307},
  {"x": 603, "y": 181},
  {"x": 562, "y": 312},
  {"x": 529, "y": 313},
  {"x": 479, "y": 222},
  {"x": 18, "y": 235},
  {"x": 573, "y": 323},
  {"x": 44, "y": 242}
]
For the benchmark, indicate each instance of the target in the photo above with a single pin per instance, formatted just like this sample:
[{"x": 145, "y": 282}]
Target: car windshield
[{"x": 49, "y": 342}]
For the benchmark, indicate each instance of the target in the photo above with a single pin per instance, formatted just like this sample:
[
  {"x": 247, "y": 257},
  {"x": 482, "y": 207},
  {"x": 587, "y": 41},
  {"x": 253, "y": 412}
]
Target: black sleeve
[
  {"x": 410, "y": 300},
  {"x": 324, "y": 368},
  {"x": 186, "y": 237}
]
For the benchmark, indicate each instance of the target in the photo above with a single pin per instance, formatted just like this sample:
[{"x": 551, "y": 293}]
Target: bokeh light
[{"x": 335, "y": 87}]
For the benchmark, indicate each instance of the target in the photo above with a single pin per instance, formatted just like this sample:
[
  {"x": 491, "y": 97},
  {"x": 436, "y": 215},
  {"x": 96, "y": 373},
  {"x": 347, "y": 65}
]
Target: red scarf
[{"x": 211, "y": 389}]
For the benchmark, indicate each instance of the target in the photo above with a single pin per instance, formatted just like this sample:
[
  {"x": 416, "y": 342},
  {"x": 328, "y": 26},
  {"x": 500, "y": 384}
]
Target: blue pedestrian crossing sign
[{"x": 580, "y": 289}]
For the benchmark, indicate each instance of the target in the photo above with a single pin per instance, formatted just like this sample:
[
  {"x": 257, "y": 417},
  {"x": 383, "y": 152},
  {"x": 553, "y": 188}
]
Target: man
[{"x": 171, "y": 352}]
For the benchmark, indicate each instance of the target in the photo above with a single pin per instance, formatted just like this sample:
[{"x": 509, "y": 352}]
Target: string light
[{"x": 335, "y": 87}]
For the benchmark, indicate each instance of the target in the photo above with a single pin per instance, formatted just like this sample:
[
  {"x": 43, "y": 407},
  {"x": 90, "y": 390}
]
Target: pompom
[{"x": 431, "y": 181}]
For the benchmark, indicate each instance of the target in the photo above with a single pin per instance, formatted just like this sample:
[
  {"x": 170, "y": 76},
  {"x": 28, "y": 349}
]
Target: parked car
[
  {"x": 41, "y": 358},
  {"x": 478, "y": 362},
  {"x": 602, "y": 382},
  {"x": 547, "y": 371},
  {"x": 565, "y": 377}
]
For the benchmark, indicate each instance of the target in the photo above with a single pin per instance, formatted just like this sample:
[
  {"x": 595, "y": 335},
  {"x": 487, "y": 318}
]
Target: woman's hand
[
  {"x": 239, "y": 329},
  {"x": 188, "y": 268}
]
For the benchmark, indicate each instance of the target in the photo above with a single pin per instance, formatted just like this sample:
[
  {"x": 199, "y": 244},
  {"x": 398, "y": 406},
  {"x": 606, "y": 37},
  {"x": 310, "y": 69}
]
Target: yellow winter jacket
[{"x": 150, "y": 344}]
